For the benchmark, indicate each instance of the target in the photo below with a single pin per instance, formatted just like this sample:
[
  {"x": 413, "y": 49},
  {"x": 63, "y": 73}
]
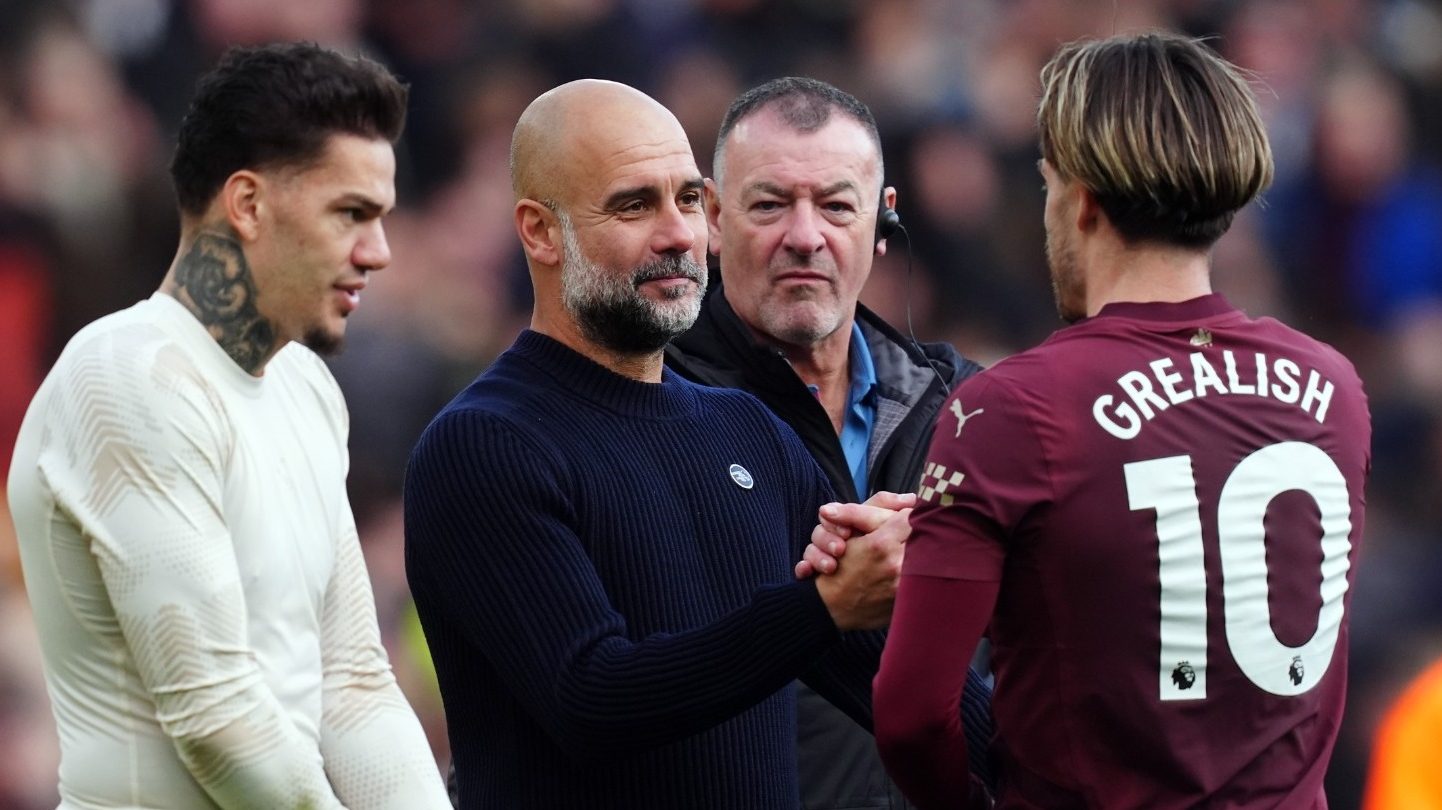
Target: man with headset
[{"x": 796, "y": 212}]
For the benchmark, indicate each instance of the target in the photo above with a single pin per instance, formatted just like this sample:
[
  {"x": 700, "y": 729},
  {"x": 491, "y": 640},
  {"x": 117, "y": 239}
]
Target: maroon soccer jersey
[{"x": 1171, "y": 498}]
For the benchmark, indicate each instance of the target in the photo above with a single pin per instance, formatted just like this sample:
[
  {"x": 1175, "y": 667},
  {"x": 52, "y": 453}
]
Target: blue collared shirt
[{"x": 859, "y": 421}]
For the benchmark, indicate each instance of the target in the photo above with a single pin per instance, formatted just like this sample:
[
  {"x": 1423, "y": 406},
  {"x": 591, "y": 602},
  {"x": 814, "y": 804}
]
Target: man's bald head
[
  {"x": 610, "y": 212},
  {"x": 566, "y": 125}
]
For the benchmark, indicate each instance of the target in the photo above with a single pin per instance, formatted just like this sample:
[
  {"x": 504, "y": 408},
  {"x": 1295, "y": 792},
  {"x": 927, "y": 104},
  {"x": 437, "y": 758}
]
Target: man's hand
[
  {"x": 860, "y": 594},
  {"x": 828, "y": 539}
]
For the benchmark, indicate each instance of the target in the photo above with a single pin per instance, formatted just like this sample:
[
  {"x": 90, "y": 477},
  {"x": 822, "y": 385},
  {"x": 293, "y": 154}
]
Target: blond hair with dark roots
[{"x": 1161, "y": 129}]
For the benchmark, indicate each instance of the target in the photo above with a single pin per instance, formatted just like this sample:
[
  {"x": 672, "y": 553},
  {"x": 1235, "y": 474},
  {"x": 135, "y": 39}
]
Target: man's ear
[
  {"x": 1088, "y": 210},
  {"x": 888, "y": 196},
  {"x": 540, "y": 233},
  {"x": 713, "y": 216},
  {"x": 242, "y": 200}
]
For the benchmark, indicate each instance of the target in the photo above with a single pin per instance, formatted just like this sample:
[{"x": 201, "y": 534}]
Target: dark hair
[
  {"x": 277, "y": 105},
  {"x": 1161, "y": 129},
  {"x": 803, "y": 104}
]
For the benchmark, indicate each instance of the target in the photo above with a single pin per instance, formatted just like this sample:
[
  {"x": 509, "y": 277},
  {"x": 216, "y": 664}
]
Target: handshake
[{"x": 871, "y": 537}]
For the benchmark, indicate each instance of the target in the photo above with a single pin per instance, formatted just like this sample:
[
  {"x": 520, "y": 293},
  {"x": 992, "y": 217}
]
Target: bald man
[{"x": 601, "y": 551}]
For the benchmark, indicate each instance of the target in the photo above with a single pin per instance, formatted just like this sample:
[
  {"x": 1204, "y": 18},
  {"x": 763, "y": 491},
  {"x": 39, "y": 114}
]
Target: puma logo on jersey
[
  {"x": 962, "y": 417},
  {"x": 935, "y": 482}
]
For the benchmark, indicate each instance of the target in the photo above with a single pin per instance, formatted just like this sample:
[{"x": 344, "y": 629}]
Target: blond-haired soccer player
[{"x": 1156, "y": 510}]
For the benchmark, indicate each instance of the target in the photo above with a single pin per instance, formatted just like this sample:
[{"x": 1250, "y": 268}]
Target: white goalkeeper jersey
[{"x": 208, "y": 628}]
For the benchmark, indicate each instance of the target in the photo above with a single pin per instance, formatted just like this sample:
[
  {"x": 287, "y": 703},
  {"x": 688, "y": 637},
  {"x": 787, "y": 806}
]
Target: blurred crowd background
[{"x": 1347, "y": 245}]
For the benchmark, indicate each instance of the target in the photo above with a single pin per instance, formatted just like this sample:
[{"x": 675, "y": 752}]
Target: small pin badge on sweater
[{"x": 742, "y": 478}]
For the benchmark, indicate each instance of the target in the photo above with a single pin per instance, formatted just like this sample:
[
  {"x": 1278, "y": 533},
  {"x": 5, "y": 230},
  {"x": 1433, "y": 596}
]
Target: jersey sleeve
[
  {"x": 142, "y": 472},
  {"x": 925, "y": 726},
  {"x": 984, "y": 472},
  {"x": 491, "y": 550},
  {"x": 375, "y": 751},
  {"x": 376, "y": 754}
]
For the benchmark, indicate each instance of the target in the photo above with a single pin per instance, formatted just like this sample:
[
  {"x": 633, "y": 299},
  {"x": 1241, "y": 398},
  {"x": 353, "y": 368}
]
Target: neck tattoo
[{"x": 213, "y": 280}]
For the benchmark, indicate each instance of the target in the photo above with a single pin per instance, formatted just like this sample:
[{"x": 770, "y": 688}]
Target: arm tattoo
[{"x": 214, "y": 282}]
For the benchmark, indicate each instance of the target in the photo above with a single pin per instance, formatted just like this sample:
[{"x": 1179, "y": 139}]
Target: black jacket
[
  {"x": 719, "y": 351},
  {"x": 839, "y": 766}
]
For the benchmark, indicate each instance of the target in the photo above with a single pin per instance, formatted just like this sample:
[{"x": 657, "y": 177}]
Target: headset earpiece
[{"x": 887, "y": 220}]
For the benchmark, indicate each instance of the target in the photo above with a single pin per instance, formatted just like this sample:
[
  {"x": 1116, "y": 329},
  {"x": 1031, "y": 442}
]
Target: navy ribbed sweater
[{"x": 612, "y": 615}]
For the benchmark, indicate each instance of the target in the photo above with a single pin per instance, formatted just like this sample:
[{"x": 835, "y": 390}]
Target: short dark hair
[
  {"x": 1161, "y": 129},
  {"x": 277, "y": 105},
  {"x": 803, "y": 104}
]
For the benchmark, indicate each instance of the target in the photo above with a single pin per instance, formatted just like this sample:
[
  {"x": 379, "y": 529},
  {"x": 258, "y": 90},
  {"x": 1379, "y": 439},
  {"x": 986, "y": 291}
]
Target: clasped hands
[{"x": 871, "y": 536}]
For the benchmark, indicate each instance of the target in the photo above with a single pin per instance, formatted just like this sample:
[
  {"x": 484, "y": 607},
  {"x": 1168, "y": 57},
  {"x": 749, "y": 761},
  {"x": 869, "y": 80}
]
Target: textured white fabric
[{"x": 208, "y": 627}]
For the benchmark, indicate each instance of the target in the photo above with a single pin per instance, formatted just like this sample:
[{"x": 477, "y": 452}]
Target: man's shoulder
[
  {"x": 491, "y": 398},
  {"x": 121, "y": 332},
  {"x": 133, "y": 349},
  {"x": 509, "y": 401},
  {"x": 131, "y": 379},
  {"x": 1023, "y": 387},
  {"x": 1322, "y": 353},
  {"x": 891, "y": 349},
  {"x": 511, "y": 386},
  {"x": 1029, "y": 367}
]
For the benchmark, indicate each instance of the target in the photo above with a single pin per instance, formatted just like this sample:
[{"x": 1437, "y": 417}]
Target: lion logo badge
[{"x": 1184, "y": 676}]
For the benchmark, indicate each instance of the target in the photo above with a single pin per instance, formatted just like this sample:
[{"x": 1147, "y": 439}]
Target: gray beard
[{"x": 609, "y": 309}]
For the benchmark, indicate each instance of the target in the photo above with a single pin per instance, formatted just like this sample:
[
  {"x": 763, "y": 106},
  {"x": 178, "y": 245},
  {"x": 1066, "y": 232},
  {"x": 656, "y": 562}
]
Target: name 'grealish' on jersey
[{"x": 1165, "y": 382}]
